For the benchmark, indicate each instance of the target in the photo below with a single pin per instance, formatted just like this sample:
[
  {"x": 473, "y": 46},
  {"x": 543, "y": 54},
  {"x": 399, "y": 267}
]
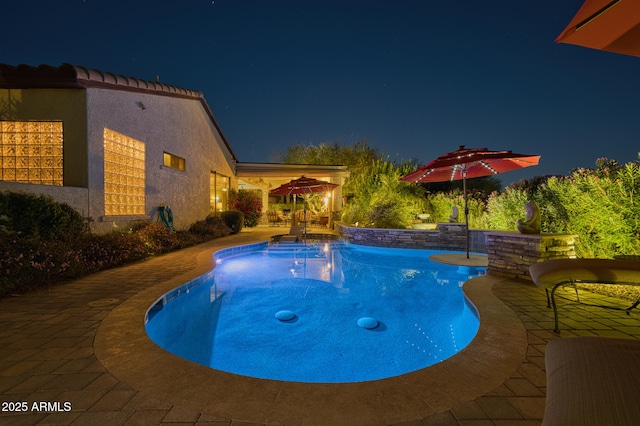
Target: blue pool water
[{"x": 359, "y": 313}]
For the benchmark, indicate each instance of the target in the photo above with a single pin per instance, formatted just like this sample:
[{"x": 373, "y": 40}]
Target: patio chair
[
  {"x": 553, "y": 274},
  {"x": 284, "y": 217},
  {"x": 303, "y": 216},
  {"x": 273, "y": 218}
]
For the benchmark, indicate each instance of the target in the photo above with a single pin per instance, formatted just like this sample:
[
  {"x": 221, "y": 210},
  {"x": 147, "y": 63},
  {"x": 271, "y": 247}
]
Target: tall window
[
  {"x": 31, "y": 152},
  {"x": 124, "y": 183},
  {"x": 219, "y": 192}
]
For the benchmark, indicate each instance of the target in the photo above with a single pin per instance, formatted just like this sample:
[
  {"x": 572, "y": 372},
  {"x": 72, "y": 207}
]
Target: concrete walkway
[{"x": 80, "y": 349}]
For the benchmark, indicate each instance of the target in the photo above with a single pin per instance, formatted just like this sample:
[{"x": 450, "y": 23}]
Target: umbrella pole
[
  {"x": 304, "y": 215},
  {"x": 294, "y": 217},
  {"x": 466, "y": 210}
]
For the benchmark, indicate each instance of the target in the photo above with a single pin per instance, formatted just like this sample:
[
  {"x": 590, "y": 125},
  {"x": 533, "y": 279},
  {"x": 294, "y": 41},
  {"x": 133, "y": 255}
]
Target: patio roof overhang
[{"x": 271, "y": 175}]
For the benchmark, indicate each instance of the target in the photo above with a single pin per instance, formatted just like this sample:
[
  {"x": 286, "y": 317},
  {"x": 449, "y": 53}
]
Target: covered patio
[{"x": 264, "y": 177}]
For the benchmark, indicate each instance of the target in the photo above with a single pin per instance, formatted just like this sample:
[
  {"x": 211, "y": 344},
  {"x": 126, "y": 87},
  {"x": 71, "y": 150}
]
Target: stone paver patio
[{"x": 82, "y": 342}]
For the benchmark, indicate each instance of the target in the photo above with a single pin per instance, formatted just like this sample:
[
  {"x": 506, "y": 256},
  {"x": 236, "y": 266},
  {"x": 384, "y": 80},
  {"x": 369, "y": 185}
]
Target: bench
[
  {"x": 592, "y": 381},
  {"x": 552, "y": 274}
]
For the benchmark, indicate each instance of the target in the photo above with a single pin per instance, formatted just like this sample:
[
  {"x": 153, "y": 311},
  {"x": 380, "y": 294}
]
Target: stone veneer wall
[
  {"x": 447, "y": 236},
  {"x": 511, "y": 253}
]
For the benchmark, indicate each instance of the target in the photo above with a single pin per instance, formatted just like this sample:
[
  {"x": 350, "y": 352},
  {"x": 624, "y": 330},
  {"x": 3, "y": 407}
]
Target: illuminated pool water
[{"x": 321, "y": 313}]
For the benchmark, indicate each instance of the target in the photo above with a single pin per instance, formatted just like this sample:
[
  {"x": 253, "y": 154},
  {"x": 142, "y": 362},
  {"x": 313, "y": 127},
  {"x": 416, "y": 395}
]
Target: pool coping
[{"x": 123, "y": 347}]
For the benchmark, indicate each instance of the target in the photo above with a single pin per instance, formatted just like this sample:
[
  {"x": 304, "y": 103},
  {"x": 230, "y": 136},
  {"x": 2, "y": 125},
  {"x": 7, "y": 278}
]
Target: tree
[{"x": 373, "y": 190}]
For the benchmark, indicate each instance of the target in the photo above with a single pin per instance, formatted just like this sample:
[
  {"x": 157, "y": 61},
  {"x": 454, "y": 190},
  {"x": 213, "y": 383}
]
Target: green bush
[
  {"x": 210, "y": 228},
  {"x": 27, "y": 264},
  {"x": 234, "y": 219},
  {"x": 355, "y": 214},
  {"x": 440, "y": 206},
  {"x": 39, "y": 217},
  {"x": 389, "y": 215},
  {"x": 51, "y": 243},
  {"x": 602, "y": 209},
  {"x": 504, "y": 209},
  {"x": 598, "y": 205}
]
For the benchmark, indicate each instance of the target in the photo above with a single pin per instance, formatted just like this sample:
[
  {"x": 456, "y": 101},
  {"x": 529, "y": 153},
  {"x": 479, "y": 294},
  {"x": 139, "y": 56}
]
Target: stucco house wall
[
  {"x": 166, "y": 124},
  {"x": 164, "y": 118}
]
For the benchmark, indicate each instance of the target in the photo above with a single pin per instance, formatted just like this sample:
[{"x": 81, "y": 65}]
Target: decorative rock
[
  {"x": 285, "y": 315},
  {"x": 368, "y": 323}
]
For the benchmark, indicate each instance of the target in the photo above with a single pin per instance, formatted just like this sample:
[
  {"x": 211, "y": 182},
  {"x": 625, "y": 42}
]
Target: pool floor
[{"x": 417, "y": 314}]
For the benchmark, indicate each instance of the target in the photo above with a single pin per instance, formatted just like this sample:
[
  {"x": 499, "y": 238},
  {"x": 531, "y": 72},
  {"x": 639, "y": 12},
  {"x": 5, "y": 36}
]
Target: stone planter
[{"x": 511, "y": 253}]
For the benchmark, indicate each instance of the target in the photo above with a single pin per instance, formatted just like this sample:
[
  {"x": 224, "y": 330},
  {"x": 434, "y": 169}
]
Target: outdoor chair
[
  {"x": 552, "y": 274},
  {"x": 303, "y": 216},
  {"x": 273, "y": 218},
  {"x": 284, "y": 217}
]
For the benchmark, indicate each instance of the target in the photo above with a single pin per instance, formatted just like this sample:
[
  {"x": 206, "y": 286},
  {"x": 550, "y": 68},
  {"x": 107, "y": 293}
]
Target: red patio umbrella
[
  {"x": 611, "y": 25},
  {"x": 470, "y": 163},
  {"x": 302, "y": 185}
]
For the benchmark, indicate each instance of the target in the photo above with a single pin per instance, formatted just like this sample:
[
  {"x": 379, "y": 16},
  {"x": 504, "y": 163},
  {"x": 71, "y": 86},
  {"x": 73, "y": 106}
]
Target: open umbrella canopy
[
  {"x": 303, "y": 185},
  {"x": 470, "y": 163},
  {"x": 611, "y": 25}
]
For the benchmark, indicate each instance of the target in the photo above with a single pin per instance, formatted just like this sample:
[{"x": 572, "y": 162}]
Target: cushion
[{"x": 592, "y": 381}]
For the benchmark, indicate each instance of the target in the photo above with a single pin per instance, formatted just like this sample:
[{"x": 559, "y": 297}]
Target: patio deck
[{"x": 80, "y": 342}]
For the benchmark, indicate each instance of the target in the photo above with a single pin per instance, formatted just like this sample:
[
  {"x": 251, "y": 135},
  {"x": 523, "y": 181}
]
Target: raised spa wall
[{"x": 509, "y": 253}]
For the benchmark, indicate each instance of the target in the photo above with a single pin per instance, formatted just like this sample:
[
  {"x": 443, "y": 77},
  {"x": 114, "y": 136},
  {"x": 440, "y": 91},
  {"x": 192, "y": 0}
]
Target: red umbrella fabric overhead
[
  {"x": 611, "y": 25},
  {"x": 470, "y": 163},
  {"x": 303, "y": 185}
]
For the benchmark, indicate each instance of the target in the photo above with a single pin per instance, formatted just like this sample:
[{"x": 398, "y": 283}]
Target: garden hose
[{"x": 166, "y": 216}]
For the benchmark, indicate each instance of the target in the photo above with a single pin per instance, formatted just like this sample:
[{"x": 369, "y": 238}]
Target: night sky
[{"x": 415, "y": 78}]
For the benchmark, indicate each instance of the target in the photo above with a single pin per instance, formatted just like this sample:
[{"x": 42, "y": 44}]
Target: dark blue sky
[{"x": 416, "y": 78}]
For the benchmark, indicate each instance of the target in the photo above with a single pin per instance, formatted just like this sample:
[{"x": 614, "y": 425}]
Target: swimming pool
[{"x": 321, "y": 313}]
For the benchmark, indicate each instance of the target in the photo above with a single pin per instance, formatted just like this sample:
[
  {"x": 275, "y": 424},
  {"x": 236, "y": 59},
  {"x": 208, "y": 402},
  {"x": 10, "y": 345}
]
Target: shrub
[
  {"x": 159, "y": 239},
  {"x": 210, "y": 228},
  {"x": 601, "y": 208},
  {"x": 440, "y": 206},
  {"x": 506, "y": 208},
  {"x": 39, "y": 217},
  {"x": 59, "y": 247},
  {"x": 234, "y": 219},
  {"x": 389, "y": 215},
  {"x": 353, "y": 213},
  {"x": 249, "y": 203}
]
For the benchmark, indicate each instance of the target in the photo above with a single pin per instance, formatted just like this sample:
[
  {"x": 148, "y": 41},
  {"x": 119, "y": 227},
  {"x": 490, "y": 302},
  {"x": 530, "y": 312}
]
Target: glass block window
[
  {"x": 173, "y": 161},
  {"x": 31, "y": 152},
  {"x": 124, "y": 172}
]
